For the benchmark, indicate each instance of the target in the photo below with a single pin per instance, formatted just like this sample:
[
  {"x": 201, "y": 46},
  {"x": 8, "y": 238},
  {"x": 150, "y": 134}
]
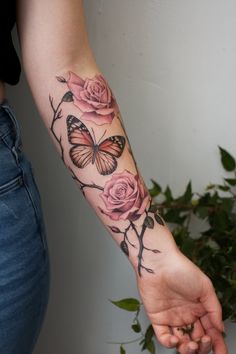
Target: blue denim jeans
[{"x": 24, "y": 258}]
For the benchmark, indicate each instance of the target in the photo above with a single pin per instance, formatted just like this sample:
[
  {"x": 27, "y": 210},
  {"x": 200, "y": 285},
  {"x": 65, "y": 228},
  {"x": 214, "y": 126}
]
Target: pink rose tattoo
[
  {"x": 125, "y": 197},
  {"x": 94, "y": 98}
]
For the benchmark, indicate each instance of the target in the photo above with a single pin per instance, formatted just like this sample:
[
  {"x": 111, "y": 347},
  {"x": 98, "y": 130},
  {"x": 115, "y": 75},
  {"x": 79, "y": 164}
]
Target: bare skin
[{"x": 58, "y": 61}]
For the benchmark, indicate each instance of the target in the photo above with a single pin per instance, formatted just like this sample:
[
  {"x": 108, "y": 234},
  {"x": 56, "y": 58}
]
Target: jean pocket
[{"x": 11, "y": 185}]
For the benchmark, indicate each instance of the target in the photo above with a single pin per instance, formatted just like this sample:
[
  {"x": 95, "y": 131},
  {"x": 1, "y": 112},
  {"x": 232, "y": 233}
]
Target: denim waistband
[{"x": 8, "y": 122}]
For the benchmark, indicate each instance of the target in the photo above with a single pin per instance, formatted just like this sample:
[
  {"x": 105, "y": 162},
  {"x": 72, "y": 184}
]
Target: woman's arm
[
  {"x": 82, "y": 115},
  {"x": 84, "y": 120}
]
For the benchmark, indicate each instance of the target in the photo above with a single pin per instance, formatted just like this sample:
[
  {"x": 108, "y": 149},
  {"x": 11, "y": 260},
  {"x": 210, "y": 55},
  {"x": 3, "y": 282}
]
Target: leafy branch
[{"x": 57, "y": 113}]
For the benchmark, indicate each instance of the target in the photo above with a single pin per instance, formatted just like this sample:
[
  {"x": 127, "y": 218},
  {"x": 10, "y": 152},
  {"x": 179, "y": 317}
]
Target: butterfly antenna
[
  {"x": 94, "y": 138},
  {"x": 102, "y": 136}
]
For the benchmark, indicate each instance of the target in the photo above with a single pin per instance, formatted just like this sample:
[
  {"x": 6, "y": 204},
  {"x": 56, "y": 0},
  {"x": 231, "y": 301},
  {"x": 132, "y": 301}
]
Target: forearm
[
  {"x": 95, "y": 148},
  {"x": 84, "y": 120}
]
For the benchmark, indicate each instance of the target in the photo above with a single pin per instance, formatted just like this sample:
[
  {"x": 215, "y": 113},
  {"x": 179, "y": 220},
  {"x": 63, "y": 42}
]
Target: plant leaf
[
  {"x": 149, "y": 333},
  {"x": 227, "y": 160},
  {"x": 231, "y": 181},
  {"x": 128, "y": 304},
  {"x": 155, "y": 189},
  {"x": 151, "y": 347},
  {"x": 188, "y": 193},
  {"x": 122, "y": 350},
  {"x": 168, "y": 194},
  {"x": 136, "y": 327}
]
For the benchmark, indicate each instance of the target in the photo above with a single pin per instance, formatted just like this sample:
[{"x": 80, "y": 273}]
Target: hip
[{"x": 24, "y": 259}]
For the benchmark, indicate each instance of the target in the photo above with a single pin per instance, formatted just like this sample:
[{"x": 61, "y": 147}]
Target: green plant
[{"x": 213, "y": 249}]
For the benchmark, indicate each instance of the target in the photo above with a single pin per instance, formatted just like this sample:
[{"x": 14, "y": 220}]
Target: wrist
[{"x": 148, "y": 252}]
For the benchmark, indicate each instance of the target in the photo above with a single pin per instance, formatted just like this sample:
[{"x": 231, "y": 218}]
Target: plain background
[{"x": 171, "y": 65}]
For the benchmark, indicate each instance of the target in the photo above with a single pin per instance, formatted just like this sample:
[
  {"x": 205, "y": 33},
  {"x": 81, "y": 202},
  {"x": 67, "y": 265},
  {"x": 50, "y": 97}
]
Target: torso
[{"x": 2, "y": 91}]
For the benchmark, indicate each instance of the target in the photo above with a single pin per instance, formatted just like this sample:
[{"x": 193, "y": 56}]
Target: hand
[{"x": 180, "y": 295}]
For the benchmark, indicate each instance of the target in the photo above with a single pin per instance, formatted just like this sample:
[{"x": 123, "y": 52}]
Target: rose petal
[
  {"x": 98, "y": 119},
  {"x": 75, "y": 79},
  {"x": 83, "y": 106},
  {"x": 105, "y": 111}
]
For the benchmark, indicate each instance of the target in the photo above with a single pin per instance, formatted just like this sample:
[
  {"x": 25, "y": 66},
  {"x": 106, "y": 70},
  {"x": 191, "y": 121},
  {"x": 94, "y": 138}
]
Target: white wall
[{"x": 171, "y": 65}]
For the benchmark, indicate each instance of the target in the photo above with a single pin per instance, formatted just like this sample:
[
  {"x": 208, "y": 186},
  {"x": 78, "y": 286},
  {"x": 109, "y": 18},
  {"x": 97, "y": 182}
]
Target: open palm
[{"x": 179, "y": 295}]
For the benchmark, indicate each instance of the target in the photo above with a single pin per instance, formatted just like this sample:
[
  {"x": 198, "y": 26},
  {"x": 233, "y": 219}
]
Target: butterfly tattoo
[{"x": 86, "y": 150}]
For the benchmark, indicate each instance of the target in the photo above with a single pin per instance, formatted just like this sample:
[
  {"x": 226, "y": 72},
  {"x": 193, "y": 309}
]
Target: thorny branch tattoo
[{"x": 123, "y": 196}]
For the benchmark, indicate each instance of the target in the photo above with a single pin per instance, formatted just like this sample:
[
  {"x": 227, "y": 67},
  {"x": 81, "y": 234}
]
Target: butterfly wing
[
  {"x": 81, "y": 155},
  {"x": 107, "y": 152},
  {"x": 114, "y": 145},
  {"x": 78, "y": 135},
  {"x": 105, "y": 163}
]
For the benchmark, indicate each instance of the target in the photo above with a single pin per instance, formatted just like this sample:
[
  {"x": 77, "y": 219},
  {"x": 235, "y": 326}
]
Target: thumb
[{"x": 213, "y": 308}]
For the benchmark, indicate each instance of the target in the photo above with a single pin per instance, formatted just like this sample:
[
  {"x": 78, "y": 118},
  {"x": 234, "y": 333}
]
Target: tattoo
[
  {"x": 187, "y": 330},
  {"x": 124, "y": 196},
  {"x": 83, "y": 185},
  {"x": 128, "y": 142},
  {"x": 85, "y": 150},
  {"x": 93, "y": 97},
  {"x": 57, "y": 114}
]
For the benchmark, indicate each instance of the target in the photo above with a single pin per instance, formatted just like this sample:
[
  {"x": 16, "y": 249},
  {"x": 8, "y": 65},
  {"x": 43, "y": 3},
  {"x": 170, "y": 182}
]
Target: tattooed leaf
[
  {"x": 158, "y": 219},
  {"x": 61, "y": 79},
  {"x": 124, "y": 247},
  {"x": 149, "y": 270},
  {"x": 156, "y": 251},
  {"x": 153, "y": 208},
  {"x": 115, "y": 229},
  {"x": 149, "y": 222},
  {"x": 128, "y": 304},
  {"x": 122, "y": 350},
  {"x": 68, "y": 97}
]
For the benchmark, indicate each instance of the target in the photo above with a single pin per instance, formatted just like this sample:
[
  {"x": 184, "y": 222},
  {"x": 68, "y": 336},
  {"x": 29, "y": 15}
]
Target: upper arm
[
  {"x": 52, "y": 34},
  {"x": 53, "y": 38}
]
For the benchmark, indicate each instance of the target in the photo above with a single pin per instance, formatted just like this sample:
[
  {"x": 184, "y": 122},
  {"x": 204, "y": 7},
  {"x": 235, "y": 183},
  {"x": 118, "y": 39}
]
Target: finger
[
  {"x": 165, "y": 336},
  {"x": 187, "y": 345},
  {"x": 197, "y": 331},
  {"x": 213, "y": 308},
  {"x": 180, "y": 333},
  {"x": 218, "y": 343},
  {"x": 188, "y": 348},
  {"x": 205, "y": 345},
  {"x": 198, "y": 335}
]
